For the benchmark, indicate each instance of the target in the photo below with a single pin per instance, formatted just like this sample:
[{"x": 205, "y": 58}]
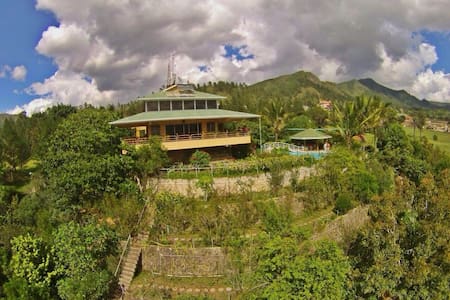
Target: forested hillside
[
  {"x": 69, "y": 193},
  {"x": 305, "y": 88}
]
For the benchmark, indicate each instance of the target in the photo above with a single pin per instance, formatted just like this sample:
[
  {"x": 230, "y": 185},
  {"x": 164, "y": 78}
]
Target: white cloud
[
  {"x": 19, "y": 73},
  {"x": 124, "y": 45},
  {"x": 400, "y": 73},
  {"x": 35, "y": 106},
  {"x": 432, "y": 86},
  {"x": 4, "y": 71}
]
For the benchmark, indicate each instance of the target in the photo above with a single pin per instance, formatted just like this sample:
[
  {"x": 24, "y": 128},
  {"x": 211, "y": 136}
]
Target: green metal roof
[
  {"x": 178, "y": 92},
  {"x": 191, "y": 114},
  {"x": 310, "y": 134}
]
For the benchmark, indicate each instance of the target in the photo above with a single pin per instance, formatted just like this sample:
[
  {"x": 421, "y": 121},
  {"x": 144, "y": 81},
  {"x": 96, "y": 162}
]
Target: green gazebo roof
[{"x": 310, "y": 134}]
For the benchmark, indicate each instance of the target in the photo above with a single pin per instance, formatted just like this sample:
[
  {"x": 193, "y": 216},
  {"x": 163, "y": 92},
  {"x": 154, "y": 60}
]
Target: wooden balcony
[{"x": 199, "y": 140}]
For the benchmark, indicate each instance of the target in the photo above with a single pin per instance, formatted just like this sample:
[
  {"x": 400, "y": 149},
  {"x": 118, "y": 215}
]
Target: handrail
[
  {"x": 127, "y": 244},
  {"x": 185, "y": 137},
  {"x": 280, "y": 145},
  {"x": 122, "y": 255}
]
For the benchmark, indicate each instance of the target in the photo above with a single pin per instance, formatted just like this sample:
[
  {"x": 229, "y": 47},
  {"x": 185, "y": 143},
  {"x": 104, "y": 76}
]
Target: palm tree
[
  {"x": 359, "y": 116},
  {"x": 277, "y": 114}
]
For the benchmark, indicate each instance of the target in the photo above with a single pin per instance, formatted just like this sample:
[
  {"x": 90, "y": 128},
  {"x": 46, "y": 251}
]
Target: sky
[{"x": 111, "y": 51}]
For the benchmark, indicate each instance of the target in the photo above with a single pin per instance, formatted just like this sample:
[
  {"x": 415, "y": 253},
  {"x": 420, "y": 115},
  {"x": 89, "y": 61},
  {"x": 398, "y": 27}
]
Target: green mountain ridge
[
  {"x": 396, "y": 97},
  {"x": 290, "y": 85}
]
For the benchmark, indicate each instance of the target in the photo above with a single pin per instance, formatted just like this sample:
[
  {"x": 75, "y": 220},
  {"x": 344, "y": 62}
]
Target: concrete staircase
[{"x": 130, "y": 263}]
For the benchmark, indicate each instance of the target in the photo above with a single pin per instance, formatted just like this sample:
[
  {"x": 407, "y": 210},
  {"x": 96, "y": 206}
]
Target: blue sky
[
  {"x": 21, "y": 27},
  {"x": 45, "y": 60},
  {"x": 441, "y": 40}
]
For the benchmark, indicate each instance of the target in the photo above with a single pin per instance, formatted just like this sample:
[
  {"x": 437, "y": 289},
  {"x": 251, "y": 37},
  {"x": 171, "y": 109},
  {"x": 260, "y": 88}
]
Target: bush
[
  {"x": 200, "y": 159},
  {"x": 343, "y": 204}
]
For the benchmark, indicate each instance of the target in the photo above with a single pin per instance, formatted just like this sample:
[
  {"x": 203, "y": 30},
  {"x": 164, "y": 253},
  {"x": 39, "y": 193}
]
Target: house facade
[{"x": 185, "y": 119}]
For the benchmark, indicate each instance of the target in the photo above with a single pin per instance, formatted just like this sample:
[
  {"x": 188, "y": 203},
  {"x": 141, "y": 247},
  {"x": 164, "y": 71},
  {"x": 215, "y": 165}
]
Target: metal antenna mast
[{"x": 171, "y": 75}]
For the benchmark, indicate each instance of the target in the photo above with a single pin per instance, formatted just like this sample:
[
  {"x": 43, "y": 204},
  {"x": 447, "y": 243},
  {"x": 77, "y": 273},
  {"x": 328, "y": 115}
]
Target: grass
[{"x": 442, "y": 141}]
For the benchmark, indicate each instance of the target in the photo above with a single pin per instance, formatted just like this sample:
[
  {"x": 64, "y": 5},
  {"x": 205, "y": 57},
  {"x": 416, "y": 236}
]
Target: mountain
[
  {"x": 304, "y": 84},
  {"x": 399, "y": 98},
  {"x": 292, "y": 84}
]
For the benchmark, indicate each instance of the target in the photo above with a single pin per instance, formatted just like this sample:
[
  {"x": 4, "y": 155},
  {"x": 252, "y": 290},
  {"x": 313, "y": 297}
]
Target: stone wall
[
  {"x": 226, "y": 185},
  {"x": 184, "y": 262}
]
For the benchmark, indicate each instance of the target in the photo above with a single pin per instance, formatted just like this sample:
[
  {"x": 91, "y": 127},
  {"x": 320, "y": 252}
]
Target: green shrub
[
  {"x": 200, "y": 159},
  {"x": 343, "y": 204}
]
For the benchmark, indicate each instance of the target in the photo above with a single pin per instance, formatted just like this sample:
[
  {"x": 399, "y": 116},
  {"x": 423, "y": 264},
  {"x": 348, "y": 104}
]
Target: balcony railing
[{"x": 187, "y": 137}]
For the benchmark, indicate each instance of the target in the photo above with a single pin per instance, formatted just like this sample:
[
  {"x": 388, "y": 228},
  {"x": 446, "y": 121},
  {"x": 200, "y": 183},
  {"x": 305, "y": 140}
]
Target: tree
[
  {"x": 148, "y": 159},
  {"x": 419, "y": 121},
  {"x": 403, "y": 253},
  {"x": 80, "y": 254},
  {"x": 359, "y": 116},
  {"x": 200, "y": 159},
  {"x": 31, "y": 267},
  {"x": 206, "y": 184},
  {"x": 277, "y": 113},
  {"x": 83, "y": 159},
  {"x": 322, "y": 274},
  {"x": 14, "y": 144}
]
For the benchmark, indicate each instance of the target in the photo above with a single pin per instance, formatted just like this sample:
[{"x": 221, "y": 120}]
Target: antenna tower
[{"x": 171, "y": 75}]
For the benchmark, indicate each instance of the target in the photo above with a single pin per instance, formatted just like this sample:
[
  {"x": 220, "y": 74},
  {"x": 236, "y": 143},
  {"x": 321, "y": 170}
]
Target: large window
[
  {"x": 152, "y": 106},
  {"x": 200, "y": 104},
  {"x": 177, "y": 105},
  {"x": 189, "y": 104},
  {"x": 181, "y": 129},
  {"x": 164, "y": 105},
  {"x": 212, "y": 104}
]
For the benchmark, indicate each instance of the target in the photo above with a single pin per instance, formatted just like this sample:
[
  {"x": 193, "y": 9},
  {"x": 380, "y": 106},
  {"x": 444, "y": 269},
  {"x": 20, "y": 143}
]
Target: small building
[
  {"x": 186, "y": 120},
  {"x": 311, "y": 139},
  {"x": 326, "y": 105}
]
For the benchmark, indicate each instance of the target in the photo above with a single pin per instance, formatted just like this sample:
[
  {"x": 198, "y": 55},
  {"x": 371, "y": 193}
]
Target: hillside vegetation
[{"x": 69, "y": 194}]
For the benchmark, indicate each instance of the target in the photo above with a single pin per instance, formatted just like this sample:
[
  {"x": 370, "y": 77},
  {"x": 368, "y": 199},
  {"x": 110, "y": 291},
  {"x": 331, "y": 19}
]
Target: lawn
[{"x": 442, "y": 139}]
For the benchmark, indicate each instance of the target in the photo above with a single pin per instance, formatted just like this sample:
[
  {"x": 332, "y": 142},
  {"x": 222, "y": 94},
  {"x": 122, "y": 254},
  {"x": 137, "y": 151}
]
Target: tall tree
[
  {"x": 277, "y": 113},
  {"x": 83, "y": 159},
  {"x": 359, "y": 116},
  {"x": 14, "y": 144}
]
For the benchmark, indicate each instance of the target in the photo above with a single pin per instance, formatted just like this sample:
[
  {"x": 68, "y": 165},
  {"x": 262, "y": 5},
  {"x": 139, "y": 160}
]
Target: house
[
  {"x": 326, "y": 105},
  {"x": 186, "y": 120}
]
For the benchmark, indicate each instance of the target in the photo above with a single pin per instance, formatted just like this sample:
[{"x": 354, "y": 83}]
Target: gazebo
[{"x": 311, "y": 139}]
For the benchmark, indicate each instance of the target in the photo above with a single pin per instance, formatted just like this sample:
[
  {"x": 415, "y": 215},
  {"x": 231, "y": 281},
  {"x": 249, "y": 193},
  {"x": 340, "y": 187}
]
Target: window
[
  {"x": 212, "y": 104},
  {"x": 189, "y": 104},
  {"x": 177, "y": 105},
  {"x": 200, "y": 104},
  {"x": 164, "y": 105},
  {"x": 152, "y": 106},
  {"x": 154, "y": 130},
  {"x": 211, "y": 127}
]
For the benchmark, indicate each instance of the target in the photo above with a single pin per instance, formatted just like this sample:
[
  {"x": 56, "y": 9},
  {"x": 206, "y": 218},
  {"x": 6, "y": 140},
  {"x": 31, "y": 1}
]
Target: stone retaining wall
[
  {"x": 226, "y": 185},
  {"x": 184, "y": 262}
]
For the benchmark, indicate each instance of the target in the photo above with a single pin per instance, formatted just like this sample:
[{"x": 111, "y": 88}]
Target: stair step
[
  {"x": 131, "y": 259},
  {"x": 129, "y": 267},
  {"x": 128, "y": 272},
  {"x": 125, "y": 279},
  {"x": 134, "y": 250}
]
